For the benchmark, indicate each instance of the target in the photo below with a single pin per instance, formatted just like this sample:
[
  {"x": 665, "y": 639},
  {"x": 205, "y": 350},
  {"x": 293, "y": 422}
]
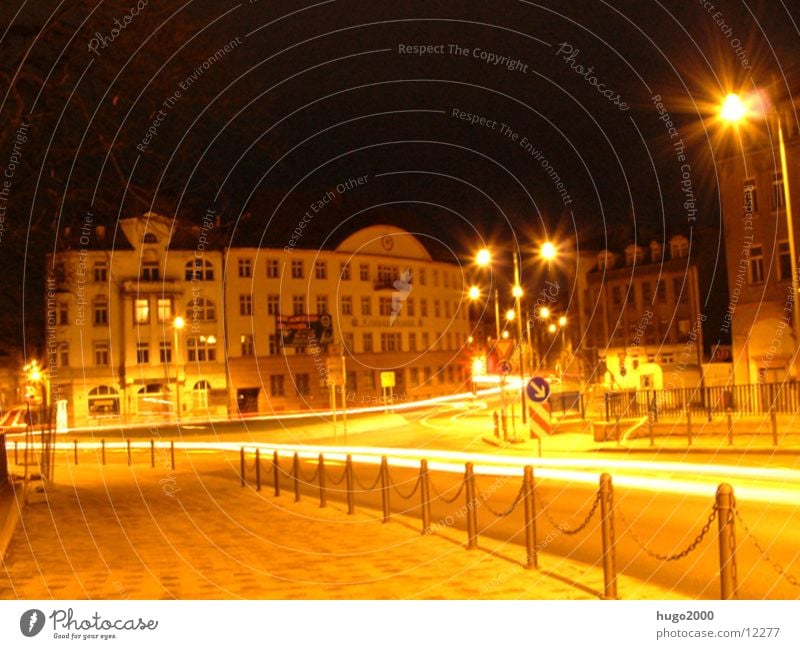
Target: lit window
[
  {"x": 101, "y": 354},
  {"x": 165, "y": 351},
  {"x": 201, "y": 348},
  {"x": 141, "y": 310},
  {"x": 248, "y": 348},
  {"x": 164, "y": 309}
]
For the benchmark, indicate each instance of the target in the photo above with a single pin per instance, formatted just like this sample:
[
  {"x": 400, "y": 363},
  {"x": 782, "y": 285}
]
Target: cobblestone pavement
[{"x": 110, "y": 532}]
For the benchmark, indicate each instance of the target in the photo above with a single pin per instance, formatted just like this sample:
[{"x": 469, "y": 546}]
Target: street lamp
[
  {"x": 548, "y": 251},
  {"x": 734, "y": 110},
  {"x": 177, "y": 325}
]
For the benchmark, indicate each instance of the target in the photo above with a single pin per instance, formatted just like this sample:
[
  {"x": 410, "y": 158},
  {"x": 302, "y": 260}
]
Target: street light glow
[
  {"x": 544, "y": 312},
  {"x": 517, "y": 291},
  {"x": 548, "y": 251},
  {"x": 552, "y": 328},
  {"x": 505, "y": 335},
  {"x": 484, "y": 257},
  {"x": 474, "y": 293},
  {"x": 562, "y": 321},
  {"x": 510, "y": 315},
  {"x": 733, "y": 108},
  {"x": 179, "y": 322}
]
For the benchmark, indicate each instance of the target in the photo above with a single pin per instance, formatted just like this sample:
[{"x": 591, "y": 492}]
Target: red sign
[{"x": 504, "y": 347}]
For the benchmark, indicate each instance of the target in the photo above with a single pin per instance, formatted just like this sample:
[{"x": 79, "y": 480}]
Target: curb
[{"x": 11, "y": 517}]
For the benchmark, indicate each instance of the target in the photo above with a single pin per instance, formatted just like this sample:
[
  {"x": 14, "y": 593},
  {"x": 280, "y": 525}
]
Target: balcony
[{"x": 154, "y": 287}]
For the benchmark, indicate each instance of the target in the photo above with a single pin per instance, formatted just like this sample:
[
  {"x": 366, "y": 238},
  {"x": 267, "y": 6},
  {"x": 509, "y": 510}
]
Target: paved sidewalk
[{"x": 115, "y": 532}]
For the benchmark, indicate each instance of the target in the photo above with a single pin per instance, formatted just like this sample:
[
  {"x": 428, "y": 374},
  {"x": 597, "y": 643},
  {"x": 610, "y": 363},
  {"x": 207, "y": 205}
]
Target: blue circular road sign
[
  {"x": 505, "y": 367},
  {"x": 538, "y": 389}
]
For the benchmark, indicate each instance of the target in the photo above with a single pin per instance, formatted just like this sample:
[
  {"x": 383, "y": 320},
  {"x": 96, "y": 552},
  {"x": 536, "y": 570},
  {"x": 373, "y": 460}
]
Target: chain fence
[
  {"x": 777, "y": 567},
  {"x": 678, "y": 555},
  {"x": 560, "y": 526}
]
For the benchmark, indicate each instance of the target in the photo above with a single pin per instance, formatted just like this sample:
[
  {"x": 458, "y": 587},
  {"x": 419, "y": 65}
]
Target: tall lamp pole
[{"x": 178, "y": 324}]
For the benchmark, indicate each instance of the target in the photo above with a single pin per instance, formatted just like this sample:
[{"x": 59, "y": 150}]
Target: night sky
[{"x": 463, "y": 116}]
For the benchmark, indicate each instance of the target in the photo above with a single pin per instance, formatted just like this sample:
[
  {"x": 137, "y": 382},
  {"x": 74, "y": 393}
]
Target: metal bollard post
[
  {"x": 323, "y": 497},
  {"x": 152, "y": 453},
  {"x": 689, "y": 424},
  {"x": 504, "y": 418},
  {"x": 75, "y": 450},
  {"x": 609, "y": 540},
  {"x": 258, "y": 469},
  {"x": 129, "y": 452},
  {"x": 730, "y": 426},
  {"x": 727, "y": 541},
  {"x": 425, "y": 496},
  {"x": 496, "y": 422},
  {"x": 241, "y": 465},
  {"x": 16, "y": 453},
  {"x": 774, "y": 420},
  {"x": 296, "y": 475},
  {"x": 385, "y": 488},
  {"x": 650, "y": 428},
  {"x": 276, "y": 476},
  {"x": 530, "y": 520},
  {"x": 348, "y": 469},
  {"x": 472, "y": 526},
  {"x": 172, "y": 453},
  {"x": 103, "y": 446}
]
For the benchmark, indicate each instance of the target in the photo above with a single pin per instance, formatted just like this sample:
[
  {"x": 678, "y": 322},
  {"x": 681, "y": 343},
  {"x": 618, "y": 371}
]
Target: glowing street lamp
[
  {"x": 544, "y": 312},
  {"x": 548, "y": 251},
  {"x": 177, "y": 325},
  {"x": 484, "y": 257},
  {"x": 735, "y": 110},
  {"x": 474, "y": 293},
  {"x": 511, "y": 315}
]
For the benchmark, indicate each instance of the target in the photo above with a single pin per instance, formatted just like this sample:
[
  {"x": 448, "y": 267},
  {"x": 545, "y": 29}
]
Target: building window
[
  {"x": 273, "y": 344},
  {"x": 322, "y": 304},
  {"x": 616, "y": 295},
  {"x": 276, "y": 385},
  {"x": 273, "y": 304},
  {"x": 366, "y": 306},
  {"x": 298, "y": 304},
  {"x": 414, "y": 372},
  {"x": 201, "y": 348},
  {"x": 428, "y": 374},
  {"x": 198, "y": 270},
  {"x": 103, "y": 400},
  {"x": 680, "y": 290},
  {"x": 422, "y": 277},
  {"x": 297, "y": 269},
  {"x": 149, "y": 237},
  {"x": 446, "y": 307},
  {"x": 150, "y": 271},
  {"x": 245, "y": 268},
  {"x": 344, "y": 272},
  {"x": 367, "y": 343},
  {"x": 302, "y": 384},
  {"x": 164, "y": 309},
  {"x": 661, "y": 292},
  {"x": 245, "y": 305},
  {"x": 142, "y": 353},
  {"x": 778, "y": 194},
  {"x": 750, "y": 196},
  {"x": 200, "y": 392},
  {"x": 363, "y": 272},
  {"x": 63, "y": 313},
  {"x": 100, "y": 311},
  {"x": 321, "y": 270},
  {"x": 647, "y": 293},
  {"x": 784, "y": 261},
  {"x": 370, "y": 383},
  {"x": 679, "y": 247},
  {"x": 385, "y": 306},
  {"x": 347, "y": 305},
  {"x": 410, "y": 310},
  {"x": 352, "y": 380},
  {"x": 387, "y": 275},
  {"x": 667, "y": 358},
  {"x": 272, "y": 269},
  {"x": 141, "y": 310},
  {"x": 63, "y": 355},
  {"x": 202, "y": 310},
  {"x": 391, "y": 342},
  {"x": 412, "y": 342},
  {"x": 165, "y": 351},
  {"x": 756, "y": 264},
  {"x": 248, "y": 349},
  {"x": 348, "y": 341},
  {"x": 100, "y": 271},
  {"x": 435, "y": 277},
  {"x": 101, "y": 354},
  {"x": 426, "y": 341},
  {"x": 423, "y": 307}
]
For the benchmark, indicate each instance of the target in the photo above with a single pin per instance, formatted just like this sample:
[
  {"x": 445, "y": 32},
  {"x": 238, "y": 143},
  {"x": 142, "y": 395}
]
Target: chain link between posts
[
  {"x": 441, "y": 497},
  {"x": 399, "y": 493},
  {"x": 511, "y": 508},
  {"x": 773, "y": 564},
  {"x": 336, "y": 483},
  {"x": 361, "y": 484},
  {"x": 678, "y": 555},
  {"x": 302, "y": 476},
  {"x": 560, "y": 526}
]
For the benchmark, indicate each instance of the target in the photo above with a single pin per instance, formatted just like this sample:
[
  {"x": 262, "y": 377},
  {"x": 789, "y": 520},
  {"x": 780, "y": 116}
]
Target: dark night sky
[{"x": 318, "y": 93}]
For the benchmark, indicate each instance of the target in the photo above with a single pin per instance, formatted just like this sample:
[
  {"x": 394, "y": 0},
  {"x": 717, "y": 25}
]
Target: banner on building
[{"x": 304, "y": 330}]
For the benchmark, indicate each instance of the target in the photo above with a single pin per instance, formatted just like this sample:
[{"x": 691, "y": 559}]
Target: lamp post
[
  {"x": 735, "y": 111},
  {"x": 177, "y": 325}
]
